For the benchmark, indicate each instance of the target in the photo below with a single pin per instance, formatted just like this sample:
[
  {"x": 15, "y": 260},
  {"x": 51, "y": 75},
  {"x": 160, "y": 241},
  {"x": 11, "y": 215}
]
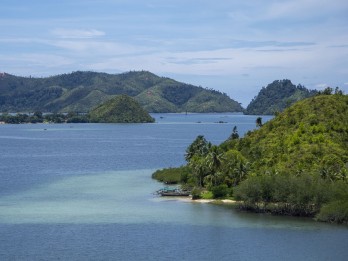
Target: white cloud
[
  {"x": 37, "y": 59},
  {"x": 77, "y": 33},
  {"x": 92, "y": 48},
  {"x": 321, "y": 85},
  {"x": 303, "y": 8}
]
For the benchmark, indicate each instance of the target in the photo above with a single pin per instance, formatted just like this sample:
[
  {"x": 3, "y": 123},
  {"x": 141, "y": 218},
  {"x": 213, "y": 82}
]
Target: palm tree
[
  {"x": 209, "y": 180},
  {"x": 199, "y": 169},
  {"x": 234, "y": 134},
  {"x": 259, "y": 122},
  {"x": 214, "y": 159},
  {"x": 200, "y": 146},
  {"x": 241, "y": 171}
]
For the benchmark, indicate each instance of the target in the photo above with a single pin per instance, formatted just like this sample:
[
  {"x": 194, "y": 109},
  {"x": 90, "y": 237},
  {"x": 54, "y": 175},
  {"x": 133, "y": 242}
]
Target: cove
[{"x": 84, "y": 192}]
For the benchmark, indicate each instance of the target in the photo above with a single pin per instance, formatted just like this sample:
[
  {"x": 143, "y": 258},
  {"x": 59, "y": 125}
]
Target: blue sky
[{"x": 232, "y": 46}]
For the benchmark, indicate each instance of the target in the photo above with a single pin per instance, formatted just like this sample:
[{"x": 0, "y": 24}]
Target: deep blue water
[{"x": 84, "y": 192}]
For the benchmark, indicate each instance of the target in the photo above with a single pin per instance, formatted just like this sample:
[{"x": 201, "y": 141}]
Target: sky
[{"x": 233, "y": 46}]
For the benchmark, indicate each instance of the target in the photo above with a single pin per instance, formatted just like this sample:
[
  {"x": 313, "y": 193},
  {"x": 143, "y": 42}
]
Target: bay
[{"x": 84, "y": 192}]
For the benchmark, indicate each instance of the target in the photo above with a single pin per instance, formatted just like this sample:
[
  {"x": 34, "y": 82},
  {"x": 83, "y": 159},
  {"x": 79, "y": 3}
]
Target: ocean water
[{"x": 84, "y": 192}]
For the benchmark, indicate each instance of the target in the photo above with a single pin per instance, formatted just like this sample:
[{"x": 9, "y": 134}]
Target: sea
[{"x": 85, "y": 192}]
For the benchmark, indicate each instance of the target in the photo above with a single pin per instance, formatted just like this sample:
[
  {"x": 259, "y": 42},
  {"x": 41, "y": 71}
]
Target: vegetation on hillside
[
  {"x": 39, "y": 117},
  {"x": 82, "y": 91},
  {"x": 277, "y": 96},
  {"x": 295, "y": 164},
  {"x": 121, "y": 109}
]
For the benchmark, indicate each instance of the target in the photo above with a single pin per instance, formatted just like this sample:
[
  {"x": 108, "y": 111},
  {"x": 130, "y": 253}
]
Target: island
[
  {"x": 81, "y": 91},
  {"x": 120, "y": 109},
  {"x": 277, "y": 96},
  {"x": 295, "y": 164}
]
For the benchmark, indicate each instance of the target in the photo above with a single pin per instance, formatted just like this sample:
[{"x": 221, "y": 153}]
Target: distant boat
[{"x": 173, "y": 192}]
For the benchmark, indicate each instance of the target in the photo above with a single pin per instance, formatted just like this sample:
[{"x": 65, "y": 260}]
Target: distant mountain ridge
[
  {"x": 81, "y": 91},
  {"x": 277, "y": 96}
]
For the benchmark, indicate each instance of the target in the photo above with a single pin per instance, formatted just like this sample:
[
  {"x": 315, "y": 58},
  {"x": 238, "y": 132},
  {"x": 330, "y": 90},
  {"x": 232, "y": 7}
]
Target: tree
[
  {"x": 338, "y": 91},
  {"x": 200, "y": 146},
  {"x": 38, "y": 114},
  {"x": 327, "y": 91},
  {"x": 259, "y": 122},
  {"x": 240, "y": 171},
  {"x": 214, "y": 158},
  {"x": 234, "y": 134}
]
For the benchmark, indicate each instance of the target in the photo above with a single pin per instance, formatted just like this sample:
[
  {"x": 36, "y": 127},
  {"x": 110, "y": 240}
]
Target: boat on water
[{"x": 173, "y": 192}]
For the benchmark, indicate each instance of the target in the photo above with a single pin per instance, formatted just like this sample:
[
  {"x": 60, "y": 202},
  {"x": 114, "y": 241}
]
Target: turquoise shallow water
[{"x": 84, "y": 192}]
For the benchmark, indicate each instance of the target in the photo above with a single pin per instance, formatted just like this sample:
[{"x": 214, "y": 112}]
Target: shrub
[
  {"x": 220, "y": 191},
  {"x": 196, "y": 193},
  {"x": 334, "y": 212},
  {"x": 168, "y": 176}
]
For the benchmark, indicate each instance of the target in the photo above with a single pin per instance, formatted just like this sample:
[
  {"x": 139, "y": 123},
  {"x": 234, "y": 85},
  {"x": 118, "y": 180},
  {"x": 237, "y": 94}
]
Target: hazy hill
[
  {"x": 121, "y": 109},
  {"x": 277, "y": 96},
  {"x": 82, "y": 91}
]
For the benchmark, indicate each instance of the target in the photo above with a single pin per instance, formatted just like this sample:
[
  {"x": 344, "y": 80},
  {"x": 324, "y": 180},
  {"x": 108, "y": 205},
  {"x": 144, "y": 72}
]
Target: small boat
[{"x": 173, "y": 192}]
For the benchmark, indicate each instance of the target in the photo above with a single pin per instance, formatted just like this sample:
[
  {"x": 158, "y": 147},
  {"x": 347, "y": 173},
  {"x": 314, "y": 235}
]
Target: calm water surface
[{"x": 84, "y": 192}]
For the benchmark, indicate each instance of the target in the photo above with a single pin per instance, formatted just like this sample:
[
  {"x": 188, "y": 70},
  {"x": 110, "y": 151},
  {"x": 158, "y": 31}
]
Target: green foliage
[
  {"x": 206, "y": 194},
  {"x": 220, "y": 191},
  {"x": 211, "y": 101},
  {"x": 294, "y": 164},
  {"x": 234, "y": 134},
  {"x": 334, "y": 212},
  {"x": 38, "y": 117},
  {"x": 172, "y": 175},
  {"x": 200, "y": 147},
  {"x": 299, "y": 160},
  {"x": 179, "y": 94},
  {"x": 121, "y": 109},
  {"x": 301, "y": 195},
  {"x": 276, "y": 97},
  {"x": 310, "y": 136},
  {"x": 196, "y": 193},
  {"x": 82, "y": 91}
]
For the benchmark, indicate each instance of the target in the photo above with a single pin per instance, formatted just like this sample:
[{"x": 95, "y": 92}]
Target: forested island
[
  {"x": 121, "y": 109},
  {"x": 277, "y": 96},
  {"x": 295, "y": 164},
  {"x": 82, "y": 91}
]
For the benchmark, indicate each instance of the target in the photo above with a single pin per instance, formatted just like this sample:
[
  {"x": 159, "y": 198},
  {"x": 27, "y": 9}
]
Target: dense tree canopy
[
  {"x": 121, "y": 109},
  {"x": 295, "y": 164},
  {"x": 277, "y": 96},
  {"x": 82, "y": 91}
]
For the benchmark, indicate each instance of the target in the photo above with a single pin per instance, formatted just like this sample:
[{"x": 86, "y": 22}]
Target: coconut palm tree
[{"x": 259, "y": 122}]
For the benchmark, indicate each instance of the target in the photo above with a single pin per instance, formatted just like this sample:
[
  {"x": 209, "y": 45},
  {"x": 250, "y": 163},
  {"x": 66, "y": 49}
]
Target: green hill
[
  {"x": 295, "y": 164},
  {"x": 82, "y": 91},
  {"x": 121, "y": 109},
  {"x": 303, "y": 138},
  {"x": 276, "y": 97}
]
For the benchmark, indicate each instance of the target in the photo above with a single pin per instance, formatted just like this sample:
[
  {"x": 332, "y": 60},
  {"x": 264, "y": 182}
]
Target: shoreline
[{"x": 202, "y": 201}]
